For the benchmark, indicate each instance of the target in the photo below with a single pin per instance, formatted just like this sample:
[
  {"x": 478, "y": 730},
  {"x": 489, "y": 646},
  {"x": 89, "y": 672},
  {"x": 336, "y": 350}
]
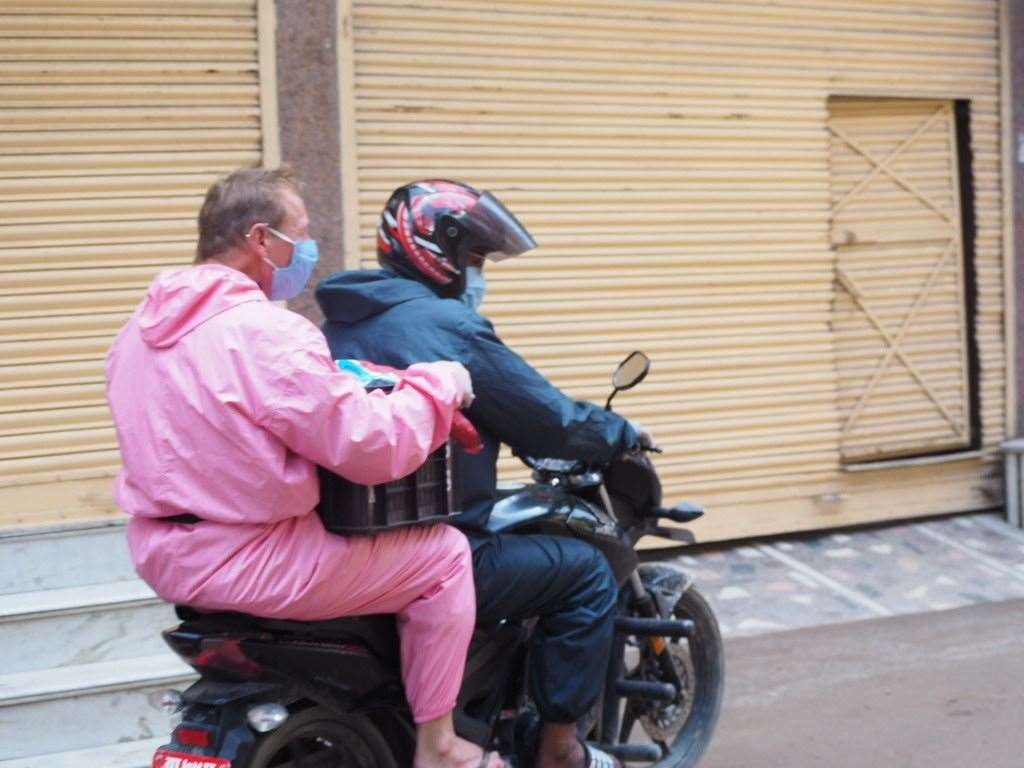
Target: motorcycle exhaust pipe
[
  {"x": 634, "y": 625},
  {"x": 645, "y": 689}
]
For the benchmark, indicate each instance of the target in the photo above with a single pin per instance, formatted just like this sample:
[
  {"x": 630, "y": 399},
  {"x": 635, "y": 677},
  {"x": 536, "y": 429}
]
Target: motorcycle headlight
[{"x": 263, "y": 718}]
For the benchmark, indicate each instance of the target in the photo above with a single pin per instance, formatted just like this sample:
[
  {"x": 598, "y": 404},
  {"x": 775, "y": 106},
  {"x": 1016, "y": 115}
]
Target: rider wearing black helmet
[{"x": 432, "y": 241}]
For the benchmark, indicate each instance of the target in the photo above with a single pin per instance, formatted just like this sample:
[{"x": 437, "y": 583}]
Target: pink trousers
[
  {"x": 295, "y": 569},
  {"x": 425, "y": 576}
]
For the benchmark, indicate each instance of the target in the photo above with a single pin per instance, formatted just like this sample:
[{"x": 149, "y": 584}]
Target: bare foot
[
  {"x": 455, "y": 753},
  {"x": 560, "y": 748},
  {"x": 561, "y": 755}
]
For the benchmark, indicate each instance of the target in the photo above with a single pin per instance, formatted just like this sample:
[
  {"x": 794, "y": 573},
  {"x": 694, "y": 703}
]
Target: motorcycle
[{"x": 284, "y": 694}]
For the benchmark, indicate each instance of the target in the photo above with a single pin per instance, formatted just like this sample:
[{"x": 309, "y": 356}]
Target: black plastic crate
[{"x": 426, "y": 496}]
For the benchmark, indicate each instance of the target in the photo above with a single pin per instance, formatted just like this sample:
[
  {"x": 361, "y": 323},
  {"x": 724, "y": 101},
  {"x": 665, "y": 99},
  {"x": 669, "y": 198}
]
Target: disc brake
[{"x": 662, "y": 721}]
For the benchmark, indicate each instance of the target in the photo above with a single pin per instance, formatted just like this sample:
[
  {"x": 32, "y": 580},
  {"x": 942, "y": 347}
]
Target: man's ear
[{"x": 256, "y": 237}]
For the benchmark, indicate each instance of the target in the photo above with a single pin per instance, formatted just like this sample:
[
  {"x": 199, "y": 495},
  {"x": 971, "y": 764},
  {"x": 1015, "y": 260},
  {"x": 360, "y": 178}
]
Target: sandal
[
  {"x": 527, "y": 743},
  {"x": 597, "y": 758}
]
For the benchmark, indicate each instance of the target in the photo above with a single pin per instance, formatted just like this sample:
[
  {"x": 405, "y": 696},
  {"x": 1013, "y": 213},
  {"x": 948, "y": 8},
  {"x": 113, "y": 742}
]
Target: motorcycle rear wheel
[
  {"x": 321, "y": 738},
  {"x": 684, "y": 728}
]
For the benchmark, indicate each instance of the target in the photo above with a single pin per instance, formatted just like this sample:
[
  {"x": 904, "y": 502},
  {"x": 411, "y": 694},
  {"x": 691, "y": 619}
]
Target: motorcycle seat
[{"x": 376, "y": 631}]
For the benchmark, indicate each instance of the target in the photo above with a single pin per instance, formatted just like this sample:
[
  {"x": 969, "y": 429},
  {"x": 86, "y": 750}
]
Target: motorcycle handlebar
[{"x": 574, "y": 466}]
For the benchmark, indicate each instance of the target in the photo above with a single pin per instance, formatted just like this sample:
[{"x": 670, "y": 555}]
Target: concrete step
[
  {"x": 86, "y": 705},
  {"x": 69, "y": 556},
  {"x": 131, "y": 754},
  {"x": 81, "y": 625}
]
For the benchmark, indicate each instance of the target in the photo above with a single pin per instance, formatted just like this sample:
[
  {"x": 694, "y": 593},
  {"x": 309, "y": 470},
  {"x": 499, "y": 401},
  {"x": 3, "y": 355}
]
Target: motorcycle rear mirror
[{"x": 630, "y": 372}]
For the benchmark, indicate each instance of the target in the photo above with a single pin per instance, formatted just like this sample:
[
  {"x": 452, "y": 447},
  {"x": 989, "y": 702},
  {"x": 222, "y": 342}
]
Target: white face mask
[{"x": 476, "y": 287}]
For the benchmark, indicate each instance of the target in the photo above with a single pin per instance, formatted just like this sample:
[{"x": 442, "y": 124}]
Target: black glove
[{"x": 644, "y": 439}]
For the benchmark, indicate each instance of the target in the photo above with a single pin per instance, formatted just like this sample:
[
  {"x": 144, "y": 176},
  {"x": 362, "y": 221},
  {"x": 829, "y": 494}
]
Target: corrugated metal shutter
[
  {"x": 672, "y": 160},
  {"x": 114, "y": 118},
  {"x": 900, "y": 319}
]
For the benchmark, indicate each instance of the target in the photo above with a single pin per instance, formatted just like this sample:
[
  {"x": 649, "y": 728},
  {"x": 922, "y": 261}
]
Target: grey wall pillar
[
  {"x": 307, "y": 98},
  {"x": 1016, "y": 38}
]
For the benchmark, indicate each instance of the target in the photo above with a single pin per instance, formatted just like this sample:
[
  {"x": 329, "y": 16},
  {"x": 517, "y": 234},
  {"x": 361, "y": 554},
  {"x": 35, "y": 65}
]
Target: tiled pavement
[{"x": 808, "y": 580}]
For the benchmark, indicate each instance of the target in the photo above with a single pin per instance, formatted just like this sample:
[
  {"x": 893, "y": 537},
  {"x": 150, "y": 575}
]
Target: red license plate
[{"x": 166, "y": 758}]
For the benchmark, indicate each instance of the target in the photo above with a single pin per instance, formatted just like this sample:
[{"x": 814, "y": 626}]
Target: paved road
[{"x": 933, "y": 690}]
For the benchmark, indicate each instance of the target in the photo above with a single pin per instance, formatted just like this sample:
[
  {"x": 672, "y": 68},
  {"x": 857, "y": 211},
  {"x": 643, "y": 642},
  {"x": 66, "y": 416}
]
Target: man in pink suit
[{"x": 225, "y": 403}]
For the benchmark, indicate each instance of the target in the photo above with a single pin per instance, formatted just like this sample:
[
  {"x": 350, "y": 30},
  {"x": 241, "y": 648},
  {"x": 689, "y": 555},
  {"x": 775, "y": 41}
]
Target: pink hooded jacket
[{"x": 224, "y": 404}]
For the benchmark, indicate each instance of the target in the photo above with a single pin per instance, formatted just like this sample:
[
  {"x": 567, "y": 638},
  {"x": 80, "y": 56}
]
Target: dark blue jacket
[{"x": 377, "y": 316}]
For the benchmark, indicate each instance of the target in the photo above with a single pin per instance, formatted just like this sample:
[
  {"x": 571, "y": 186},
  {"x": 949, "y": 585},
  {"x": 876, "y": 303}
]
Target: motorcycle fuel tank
[
  {"x": 548, "y": 509},
  {"x": 532, "y": 503}
]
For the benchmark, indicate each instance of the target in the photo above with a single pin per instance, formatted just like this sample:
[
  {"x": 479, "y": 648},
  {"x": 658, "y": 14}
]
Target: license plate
[{"x": 165, "y": 758}]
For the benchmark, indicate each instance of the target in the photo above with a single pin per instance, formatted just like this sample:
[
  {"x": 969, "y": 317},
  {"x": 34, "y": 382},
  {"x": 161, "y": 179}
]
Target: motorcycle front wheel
[
  {"x": 320, "y": 738},
  {"x": 681, "y": 728}
]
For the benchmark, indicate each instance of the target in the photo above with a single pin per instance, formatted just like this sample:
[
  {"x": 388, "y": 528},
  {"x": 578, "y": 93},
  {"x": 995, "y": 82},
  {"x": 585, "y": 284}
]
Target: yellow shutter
[
  {"x": 900, "y": 324},
  {"x": 114, "y": 118},
  {"x": 672, "y": 160},
  {"x": 670, "y": 217}
]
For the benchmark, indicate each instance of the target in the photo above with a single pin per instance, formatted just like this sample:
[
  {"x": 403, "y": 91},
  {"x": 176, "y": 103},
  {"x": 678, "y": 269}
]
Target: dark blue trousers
[{"x": 569, "y": 586}]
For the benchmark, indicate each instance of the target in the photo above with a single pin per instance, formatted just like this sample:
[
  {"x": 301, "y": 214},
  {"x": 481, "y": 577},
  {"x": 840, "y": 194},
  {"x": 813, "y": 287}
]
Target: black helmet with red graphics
[{"x": 430, "y": 229}]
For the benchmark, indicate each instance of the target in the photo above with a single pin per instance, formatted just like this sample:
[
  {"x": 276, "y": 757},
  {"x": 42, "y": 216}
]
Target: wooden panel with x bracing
[{"x": 899, "y": 321}]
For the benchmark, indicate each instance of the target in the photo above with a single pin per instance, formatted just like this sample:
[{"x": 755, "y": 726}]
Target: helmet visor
[{"x": 493, "y": 231}]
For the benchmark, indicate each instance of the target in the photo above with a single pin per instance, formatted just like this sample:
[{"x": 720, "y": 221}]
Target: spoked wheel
[
  {"x": 320, "y": 738},
  {"x": 682, "y": 728}
]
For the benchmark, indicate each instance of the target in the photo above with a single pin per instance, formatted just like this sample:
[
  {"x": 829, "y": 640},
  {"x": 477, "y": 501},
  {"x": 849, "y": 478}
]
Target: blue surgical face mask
[
  {"x": 288, "y": 282},
  {"x": 476, "y": 287}
]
